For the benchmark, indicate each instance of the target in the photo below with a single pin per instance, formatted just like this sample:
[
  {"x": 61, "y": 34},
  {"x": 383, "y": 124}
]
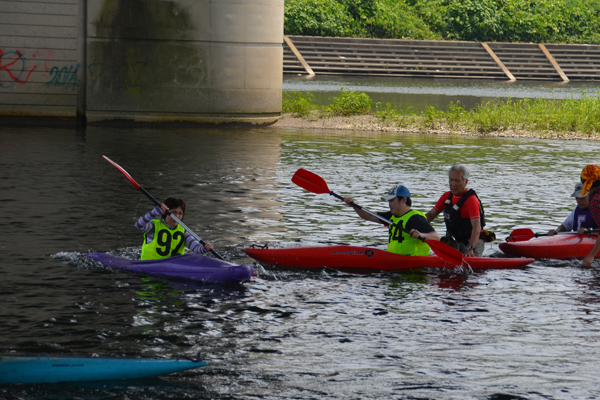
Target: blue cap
[{"x": 396, "y": 191}]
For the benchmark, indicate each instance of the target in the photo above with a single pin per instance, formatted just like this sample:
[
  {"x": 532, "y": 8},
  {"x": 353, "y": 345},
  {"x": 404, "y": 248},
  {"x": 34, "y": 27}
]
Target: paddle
[
  {"x": 314, "y": 183},
  {"x": 524, "y": 234},
  {"x": 158, "y": 203}
]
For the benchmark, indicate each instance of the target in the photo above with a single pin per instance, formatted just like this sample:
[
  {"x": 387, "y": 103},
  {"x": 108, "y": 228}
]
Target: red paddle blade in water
[
  {"x": 310, "y": 181},
  {"x": 117, "y": 166},
  {"x": 445, "y": 252}
]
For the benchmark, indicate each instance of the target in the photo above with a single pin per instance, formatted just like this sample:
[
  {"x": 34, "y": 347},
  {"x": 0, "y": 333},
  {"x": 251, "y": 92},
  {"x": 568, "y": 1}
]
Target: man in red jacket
[{"x": 463, "y": 213}]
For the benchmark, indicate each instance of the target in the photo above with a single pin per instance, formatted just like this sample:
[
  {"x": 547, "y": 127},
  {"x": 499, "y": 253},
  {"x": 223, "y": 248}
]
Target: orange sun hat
[{"x": 590, "y": 177}]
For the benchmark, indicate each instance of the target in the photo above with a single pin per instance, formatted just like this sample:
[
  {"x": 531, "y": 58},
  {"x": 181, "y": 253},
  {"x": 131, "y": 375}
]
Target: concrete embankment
[{"x": 440, "y": 59}]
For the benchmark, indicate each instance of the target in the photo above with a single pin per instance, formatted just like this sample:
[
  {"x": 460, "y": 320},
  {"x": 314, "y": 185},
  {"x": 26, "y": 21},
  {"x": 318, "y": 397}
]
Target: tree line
[{"x": 535, "y": 21}]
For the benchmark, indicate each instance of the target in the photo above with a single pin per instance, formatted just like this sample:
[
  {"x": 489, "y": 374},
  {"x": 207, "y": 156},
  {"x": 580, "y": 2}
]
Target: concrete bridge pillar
[
  {"x": 120, "y": 61},
  {"x": 207, "y": 61}
]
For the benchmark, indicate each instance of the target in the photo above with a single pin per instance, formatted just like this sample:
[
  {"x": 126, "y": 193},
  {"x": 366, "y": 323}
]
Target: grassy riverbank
[{"x": 542, "y": 118}]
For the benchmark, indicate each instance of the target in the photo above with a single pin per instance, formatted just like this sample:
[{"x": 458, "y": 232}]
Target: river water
[
  {"x": 413, "y": 95},
  {"x": 531, "y": 333}
]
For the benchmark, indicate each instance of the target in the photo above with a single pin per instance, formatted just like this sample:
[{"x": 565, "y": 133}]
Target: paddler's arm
[
  {"x": 145, "y": 223},
  {"x": 420, "y": 227},
  {"x": 431, "y": 214},
  {"x": 195, "y": 246},
  {"x": 475, "y": 233},
  {"x": 567, "y": 225},
  {"x": 553, "y": 232},
  {"x": 433, "y": 235},
  {"x": 589, "y": 259},
  {"x": 361, "y": 213}
]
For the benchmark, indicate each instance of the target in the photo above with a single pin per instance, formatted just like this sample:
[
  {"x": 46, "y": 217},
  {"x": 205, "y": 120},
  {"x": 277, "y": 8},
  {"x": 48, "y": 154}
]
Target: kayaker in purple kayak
[
  {"x": 400, "y": 242},
  {"x": 164, "y": 237},
  {"x": 590, "y": 177},
  {"x": 580, "y": 219}
]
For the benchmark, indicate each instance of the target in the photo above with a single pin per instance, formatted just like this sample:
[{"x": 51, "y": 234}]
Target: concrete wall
[
  {"x": 39, "y": 63},
  {"x": 185, "y": 60},
  {"x": 142, "y": 60}
]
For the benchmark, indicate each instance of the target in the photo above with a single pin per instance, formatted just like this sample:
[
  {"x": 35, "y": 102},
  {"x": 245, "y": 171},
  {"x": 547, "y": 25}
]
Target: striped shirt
[{"x": 146, "y": 225}]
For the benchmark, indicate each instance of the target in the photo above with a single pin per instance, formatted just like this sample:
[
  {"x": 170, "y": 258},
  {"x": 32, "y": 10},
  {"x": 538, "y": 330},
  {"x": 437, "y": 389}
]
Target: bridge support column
[{"x": 196, "y": 61}]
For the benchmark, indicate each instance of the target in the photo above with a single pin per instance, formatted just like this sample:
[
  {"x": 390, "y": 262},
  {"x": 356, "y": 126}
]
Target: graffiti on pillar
[
  {"x": 63, "y": 76},
  {"x": 16, "y": 69}
]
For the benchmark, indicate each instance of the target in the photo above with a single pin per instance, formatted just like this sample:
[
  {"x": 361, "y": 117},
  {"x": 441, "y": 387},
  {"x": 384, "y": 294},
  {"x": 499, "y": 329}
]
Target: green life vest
[
  {"x": 401, "y": 242},
  {"x": 166, "y": 242}
]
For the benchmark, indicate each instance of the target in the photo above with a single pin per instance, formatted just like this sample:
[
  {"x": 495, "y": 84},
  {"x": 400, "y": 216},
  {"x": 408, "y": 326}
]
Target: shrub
[
  {"x": 349, "y": 103},
  {"x": 454, "y": 116},
  {"x": 434, "y": 14},
  {"x": 316, "y": 18},
  {"x": 479, "y": 20},
  {"x": 395, "y": 19},
  {"x": 300, "y": 105}
]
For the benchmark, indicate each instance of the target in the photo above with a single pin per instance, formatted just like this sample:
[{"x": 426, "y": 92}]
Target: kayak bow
[
  {"x": 560, "y": 246},
  {"x": 34, "y": 369}
]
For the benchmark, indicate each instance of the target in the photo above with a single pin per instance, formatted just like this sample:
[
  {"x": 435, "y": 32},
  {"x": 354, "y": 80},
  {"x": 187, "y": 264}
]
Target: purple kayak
[{"x": 187, "y": 266}]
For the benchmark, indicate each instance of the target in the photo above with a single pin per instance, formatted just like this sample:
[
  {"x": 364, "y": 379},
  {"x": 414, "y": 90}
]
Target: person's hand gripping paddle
[
  {"x": 315, "y": 184},
  {"x": 148, "y": 195}
]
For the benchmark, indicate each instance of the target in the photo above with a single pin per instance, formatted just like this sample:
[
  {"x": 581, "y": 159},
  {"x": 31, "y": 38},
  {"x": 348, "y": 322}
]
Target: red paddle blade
[
  {"x": 117, "y": 166},
  {"x": 445, "y": 252},
  {"x": 310, "y": 181},
  {"x": 521, "y": 235}
]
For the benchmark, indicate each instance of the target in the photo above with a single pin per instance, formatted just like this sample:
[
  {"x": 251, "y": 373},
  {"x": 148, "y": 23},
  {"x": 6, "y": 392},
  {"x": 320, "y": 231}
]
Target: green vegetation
[
  {"x": 533, "y": 115},
  {"x": 346, "y": 104},
  {"x": 300, "y": 105},
  {"x": 539, "y": 21}
]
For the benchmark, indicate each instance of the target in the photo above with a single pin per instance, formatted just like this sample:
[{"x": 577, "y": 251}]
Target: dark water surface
[{"x": 532, "y": 333}]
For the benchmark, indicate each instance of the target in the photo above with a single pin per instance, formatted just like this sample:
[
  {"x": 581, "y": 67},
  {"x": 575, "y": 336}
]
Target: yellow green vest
[
  {"x": 166, "y": 242},
  {"x": 401, "y": 242}
]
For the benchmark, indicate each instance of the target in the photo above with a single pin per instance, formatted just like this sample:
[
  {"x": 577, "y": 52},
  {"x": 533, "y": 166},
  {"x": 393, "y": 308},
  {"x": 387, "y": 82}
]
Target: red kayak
[
  {"x": 561, "y": 246},
  {"x": 365, "y": 259}
]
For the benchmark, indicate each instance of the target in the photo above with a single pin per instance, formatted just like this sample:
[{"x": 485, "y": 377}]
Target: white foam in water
[
  {"x": 66, "y": 255},
  {"x": 77, "y": 259},
  {"x": 465, "y": 267}
]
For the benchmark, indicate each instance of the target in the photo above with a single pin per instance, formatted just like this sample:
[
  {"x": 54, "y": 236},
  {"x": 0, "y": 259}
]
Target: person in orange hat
[
  {"x": 580, "y": 220},
  {"x": 590, "y": 178}
]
